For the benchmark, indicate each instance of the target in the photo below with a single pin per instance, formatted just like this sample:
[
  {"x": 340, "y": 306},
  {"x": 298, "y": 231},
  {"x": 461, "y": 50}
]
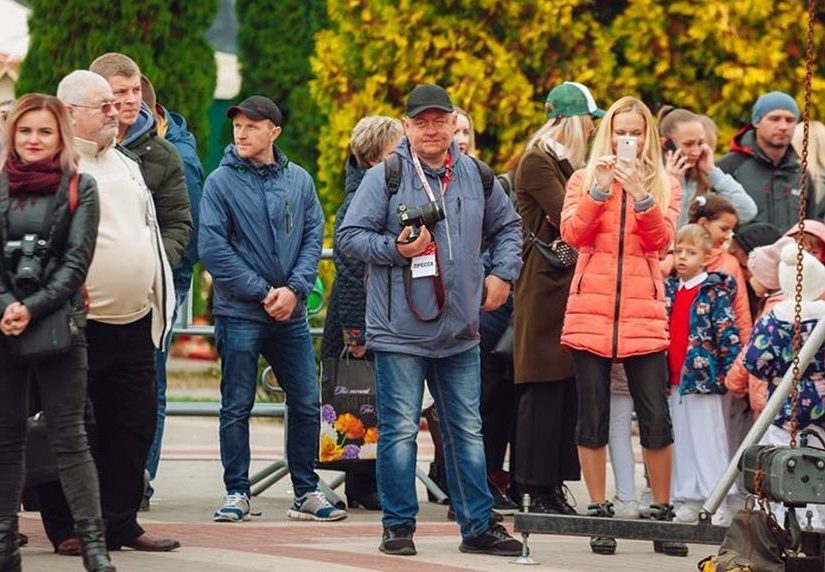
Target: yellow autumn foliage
[{"x": 498, "y": 59}]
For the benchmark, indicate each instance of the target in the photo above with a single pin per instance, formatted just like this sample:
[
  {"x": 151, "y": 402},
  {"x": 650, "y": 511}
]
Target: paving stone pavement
[{"x": 189, "y": 488}]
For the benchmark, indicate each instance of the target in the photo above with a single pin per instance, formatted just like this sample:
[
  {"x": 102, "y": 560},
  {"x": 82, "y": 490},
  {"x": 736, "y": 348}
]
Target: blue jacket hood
[
  {"x": 177, "y": 132},
  {"x": 144, "y": 124}
]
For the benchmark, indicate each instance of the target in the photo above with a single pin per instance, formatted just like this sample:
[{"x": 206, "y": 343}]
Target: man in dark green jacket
[{"x": 160, "y": 162}]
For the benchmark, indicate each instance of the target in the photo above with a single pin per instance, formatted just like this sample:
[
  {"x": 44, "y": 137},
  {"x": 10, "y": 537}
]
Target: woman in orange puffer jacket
[{"x": 621, "y": 214}]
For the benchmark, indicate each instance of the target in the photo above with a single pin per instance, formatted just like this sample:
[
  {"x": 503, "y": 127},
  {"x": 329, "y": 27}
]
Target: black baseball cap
[
  {"x": 257, "y": 108},
  {"x": 427, "y": 96}
]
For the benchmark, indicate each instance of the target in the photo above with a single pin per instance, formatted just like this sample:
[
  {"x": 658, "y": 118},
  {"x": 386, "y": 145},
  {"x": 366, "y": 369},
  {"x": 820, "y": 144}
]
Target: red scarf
[{"x": 41, "y": 177}]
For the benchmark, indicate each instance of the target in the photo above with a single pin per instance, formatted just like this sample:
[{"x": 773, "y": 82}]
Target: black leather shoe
[
  {"x": 558, "y": 499},
  {"x": 149, "y": 543}
]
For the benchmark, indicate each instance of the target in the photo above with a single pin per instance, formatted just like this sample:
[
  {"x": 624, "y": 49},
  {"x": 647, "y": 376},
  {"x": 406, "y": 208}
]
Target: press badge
[{"x": 424, "y": 264}]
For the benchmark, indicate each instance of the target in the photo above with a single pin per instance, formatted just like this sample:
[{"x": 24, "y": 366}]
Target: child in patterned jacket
[
  {"x": 704, "y": 342},
  {"x": 769, "y": 354}
]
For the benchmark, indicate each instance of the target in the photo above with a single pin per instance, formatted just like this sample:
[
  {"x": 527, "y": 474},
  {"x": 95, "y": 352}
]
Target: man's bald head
[{"x": 82, "y": 86}]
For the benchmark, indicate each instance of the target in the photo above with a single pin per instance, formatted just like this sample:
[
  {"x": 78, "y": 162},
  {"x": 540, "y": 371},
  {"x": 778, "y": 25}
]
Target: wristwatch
[{"x": 294, "y": 291}]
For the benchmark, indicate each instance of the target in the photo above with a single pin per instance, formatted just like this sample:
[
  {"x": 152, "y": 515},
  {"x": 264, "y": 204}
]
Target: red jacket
[{"x": 617, "y": 300}]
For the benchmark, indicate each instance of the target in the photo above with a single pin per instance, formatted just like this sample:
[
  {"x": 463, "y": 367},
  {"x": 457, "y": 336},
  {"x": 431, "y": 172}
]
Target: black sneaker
[
  {"x": 665, "y": 512},
  {"x": 398, "y": 540},
  {"x": 496, "y": 541}
]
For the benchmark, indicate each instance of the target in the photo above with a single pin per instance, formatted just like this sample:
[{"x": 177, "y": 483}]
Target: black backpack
[{"x": 392, "y": 174}]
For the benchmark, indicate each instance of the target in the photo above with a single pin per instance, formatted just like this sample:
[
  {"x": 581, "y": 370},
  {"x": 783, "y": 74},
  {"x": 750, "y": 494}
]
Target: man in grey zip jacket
[
  {"x": 423, "y": 302},
  {"x": 764, "y": 162}
]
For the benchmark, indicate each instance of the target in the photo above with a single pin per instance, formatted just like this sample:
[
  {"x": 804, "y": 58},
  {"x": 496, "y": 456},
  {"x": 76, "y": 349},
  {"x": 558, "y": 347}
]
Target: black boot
[
  {"x": 559, "y": 500},
  {"x": 665, "y": 512},
  {"x": 602, "y": 544},
  {"x": 92, "y": 537},
  {"x": 9, "y": 549}
]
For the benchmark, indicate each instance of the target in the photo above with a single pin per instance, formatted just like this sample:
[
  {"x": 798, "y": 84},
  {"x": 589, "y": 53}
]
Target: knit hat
[
  {"x": 763, "y": 263},
  {"x": 813, "y": 274},
  {"x": 755, "y": 234},
  {"x": 771, "y": 102},
  {"x": 570, "y": 99},
  {"x": 813, "y": 227}
]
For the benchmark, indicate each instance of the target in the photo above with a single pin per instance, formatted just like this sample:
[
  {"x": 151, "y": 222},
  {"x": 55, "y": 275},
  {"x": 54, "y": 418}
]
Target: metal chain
[{"x": 803, "y": 200}]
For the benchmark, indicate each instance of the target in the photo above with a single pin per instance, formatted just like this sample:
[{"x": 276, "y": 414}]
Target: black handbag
[
  {"x": 557, "y": 253},
  {"x": 504, "y": 346},
  {"x": 47, "y": 337},
  {"x": 349, "y": 421}
]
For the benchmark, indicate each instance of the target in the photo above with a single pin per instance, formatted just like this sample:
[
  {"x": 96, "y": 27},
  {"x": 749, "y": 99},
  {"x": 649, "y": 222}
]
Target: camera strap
[
  {"x": 437, "y": 281},
  {"x": 437, "y": 278}
]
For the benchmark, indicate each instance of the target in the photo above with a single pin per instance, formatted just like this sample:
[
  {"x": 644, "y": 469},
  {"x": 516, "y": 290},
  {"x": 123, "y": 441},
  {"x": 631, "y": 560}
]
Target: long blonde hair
[
  {"x": 567, "y": 132},
  {"x": 816, "y": 154},
  {"x": 35, "y": 102},
  {"x": 654, "y": 175}
]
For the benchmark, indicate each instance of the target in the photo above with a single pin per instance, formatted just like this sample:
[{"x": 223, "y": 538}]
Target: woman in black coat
[
  {"x": 48, "y": 229},
  {"x": 373, "y": 138}
]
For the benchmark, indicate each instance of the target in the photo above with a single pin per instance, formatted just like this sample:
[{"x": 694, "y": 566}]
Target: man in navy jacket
[{"x": 261, "y": 228}]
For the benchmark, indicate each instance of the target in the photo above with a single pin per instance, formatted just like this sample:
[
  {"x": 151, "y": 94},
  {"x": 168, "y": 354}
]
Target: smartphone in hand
[
  {"x": 670, "y": 145},
  {"x": 626, "y": 151}
]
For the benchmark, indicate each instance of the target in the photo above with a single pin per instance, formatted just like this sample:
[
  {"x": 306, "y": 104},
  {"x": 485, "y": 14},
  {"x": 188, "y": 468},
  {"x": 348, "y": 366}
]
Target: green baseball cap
[{"x": 570, "y": 99}]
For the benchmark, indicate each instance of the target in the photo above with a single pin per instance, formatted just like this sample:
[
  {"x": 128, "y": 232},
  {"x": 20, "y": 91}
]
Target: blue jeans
[
  {"x": 455, "y": 384},
  {"x": 160, "y": 367},
  {"x": 287, "y": 347}
]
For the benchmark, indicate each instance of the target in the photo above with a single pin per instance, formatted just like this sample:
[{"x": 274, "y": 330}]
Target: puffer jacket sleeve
[
  {"x": 362, "y": 234},
  {"x": 737, "y": 378},
  {"x": 502, "y": 230},
  {"x": 71, "y": 270},
  {"x": 303, "y": 274},
  {"x": 217, "y": 252},
  {"x": 349, "y": 283},
  {"x": 656, "y": 229},
  {"x": 579, "y": 214}
]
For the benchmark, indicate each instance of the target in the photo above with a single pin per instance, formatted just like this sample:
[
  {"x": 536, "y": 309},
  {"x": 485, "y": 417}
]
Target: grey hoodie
[{"x": 369, "y": 231}]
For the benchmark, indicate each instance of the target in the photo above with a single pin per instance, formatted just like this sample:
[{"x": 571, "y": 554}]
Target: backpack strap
[
  {"x": 392, "y": 173},
  {"x": 487, "y": 176}
]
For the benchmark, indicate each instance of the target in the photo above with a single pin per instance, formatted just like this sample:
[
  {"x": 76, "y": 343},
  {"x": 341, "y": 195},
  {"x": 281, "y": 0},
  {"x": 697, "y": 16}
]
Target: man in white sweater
[{"x": 131, "y": 296}]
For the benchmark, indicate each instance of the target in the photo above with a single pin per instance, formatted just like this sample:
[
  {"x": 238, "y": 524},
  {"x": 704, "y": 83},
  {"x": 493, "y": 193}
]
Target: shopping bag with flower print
[{"x": 349, "y": 425}]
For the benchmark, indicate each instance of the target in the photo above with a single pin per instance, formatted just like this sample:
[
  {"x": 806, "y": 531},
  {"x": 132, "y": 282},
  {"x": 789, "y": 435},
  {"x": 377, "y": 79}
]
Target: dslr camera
[
  {"x": 415, "y": 217},
  {"x": 24, "y": 256}
]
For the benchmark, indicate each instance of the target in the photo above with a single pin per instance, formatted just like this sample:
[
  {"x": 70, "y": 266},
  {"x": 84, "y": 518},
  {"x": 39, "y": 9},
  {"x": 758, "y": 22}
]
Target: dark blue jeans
[
  {"x": 287, "y": 347},
  {"x": 455, "y": 384},
  {"x": 161, "y": 356}
]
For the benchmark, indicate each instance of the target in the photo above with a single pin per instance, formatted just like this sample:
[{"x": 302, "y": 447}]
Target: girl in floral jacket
[
  {"x": 704, "y": 342},
  {"x": 769, "y": 354}
]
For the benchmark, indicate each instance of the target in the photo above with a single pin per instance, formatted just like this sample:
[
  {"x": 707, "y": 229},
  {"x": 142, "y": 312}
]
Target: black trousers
[
  {"x": 546, "y": 453},
  {"x": 498, "y": 409},
  {"x": 122, "y": 392},
  {"x": 61, "y": 384},
  {"x": 647, "y": 379}
]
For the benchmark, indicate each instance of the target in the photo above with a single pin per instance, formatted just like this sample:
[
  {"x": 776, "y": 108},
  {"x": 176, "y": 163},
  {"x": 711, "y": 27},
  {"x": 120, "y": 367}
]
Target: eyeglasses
[{"x": 104, "y": 107}]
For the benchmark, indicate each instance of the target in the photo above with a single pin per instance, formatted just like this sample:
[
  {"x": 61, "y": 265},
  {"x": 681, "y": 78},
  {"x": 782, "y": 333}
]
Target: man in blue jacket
[
  {"x": 423, "y": 301},
  {"x": 261, "y": 228}
]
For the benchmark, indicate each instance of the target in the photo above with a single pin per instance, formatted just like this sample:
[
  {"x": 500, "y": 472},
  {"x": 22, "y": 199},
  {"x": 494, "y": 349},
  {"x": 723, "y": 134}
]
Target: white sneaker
[
  {"x": 235, "y": 509},
  {"x": 688, "y": 513},
  {"x": 625, "y": 509},
  {"x": 314, "y": 506},
  {"x": 645, "y": 500}
]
